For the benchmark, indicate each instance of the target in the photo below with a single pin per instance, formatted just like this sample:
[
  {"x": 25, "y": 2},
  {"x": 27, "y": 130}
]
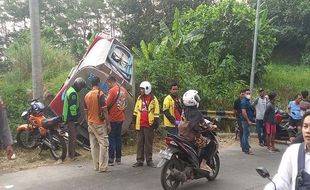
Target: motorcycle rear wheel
[
  {"x": 58, "y": 147},
  {"x": 26, "y": 139},
  {"x": 167, "y": 181},
  {"x": 215, "y": 165}
]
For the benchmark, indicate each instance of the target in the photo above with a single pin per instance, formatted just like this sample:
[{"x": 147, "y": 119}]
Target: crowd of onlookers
[
  {"x": 262, "y": 113},
  {"x": 105, "y": 115}
]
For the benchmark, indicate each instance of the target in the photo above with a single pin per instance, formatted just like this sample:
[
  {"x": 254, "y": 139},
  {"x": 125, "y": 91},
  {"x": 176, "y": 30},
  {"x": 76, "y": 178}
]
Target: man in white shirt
[{"x": 260, "y": 105}]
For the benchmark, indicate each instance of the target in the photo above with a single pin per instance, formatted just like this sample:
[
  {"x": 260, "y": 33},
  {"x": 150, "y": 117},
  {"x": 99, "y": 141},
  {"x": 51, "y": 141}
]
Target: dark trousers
[
  {"x": 261, "y": 131},
  {"x": 115, "y": 141},
  {"x": 245, "y": 138},
  {"x": 240, "y": 131},
  {"x": 72, "y": 131},
  {"x": 145, "y": 137}
]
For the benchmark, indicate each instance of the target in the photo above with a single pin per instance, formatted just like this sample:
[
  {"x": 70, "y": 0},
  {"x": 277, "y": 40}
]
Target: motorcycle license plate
[{"x": 165, "y": 154}]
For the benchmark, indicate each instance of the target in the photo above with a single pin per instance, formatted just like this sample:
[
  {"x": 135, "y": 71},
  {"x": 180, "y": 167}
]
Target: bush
[
  {"x": 16, "y": 87},
  {"x": 15, "y": 96}
]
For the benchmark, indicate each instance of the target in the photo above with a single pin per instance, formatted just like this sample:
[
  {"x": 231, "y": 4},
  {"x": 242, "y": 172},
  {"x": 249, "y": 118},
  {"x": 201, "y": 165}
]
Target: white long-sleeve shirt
[{"x": 286, "y": 176}]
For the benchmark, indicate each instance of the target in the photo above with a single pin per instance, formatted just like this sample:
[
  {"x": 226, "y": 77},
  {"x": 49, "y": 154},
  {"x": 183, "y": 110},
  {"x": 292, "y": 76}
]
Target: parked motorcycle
[
  {"x": 284, "y": 131},
  {"x": 41, "y": 132},
  {"x": 181, "y": 161}
]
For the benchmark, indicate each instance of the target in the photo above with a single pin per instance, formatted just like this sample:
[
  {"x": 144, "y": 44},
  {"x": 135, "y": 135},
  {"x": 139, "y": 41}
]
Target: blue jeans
[
  {"x": 240, "y": 131},
  {"x": 172, "y": 130},
  {"x": 261, "y": 133},
  {"x": 115, "y": 141},
  {"x": 245, "y": 137}
]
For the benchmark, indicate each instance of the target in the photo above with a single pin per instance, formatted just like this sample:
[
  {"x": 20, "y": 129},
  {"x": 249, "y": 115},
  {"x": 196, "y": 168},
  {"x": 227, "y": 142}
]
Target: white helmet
[
  {"x": 191, "y": 98},
  {"x": 147, "y": 87}
]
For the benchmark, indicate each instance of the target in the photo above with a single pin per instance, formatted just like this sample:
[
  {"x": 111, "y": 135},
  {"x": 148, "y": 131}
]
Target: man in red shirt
[
  {"x": 146, "y": 120},
  {"x": 116, "y": 103}
]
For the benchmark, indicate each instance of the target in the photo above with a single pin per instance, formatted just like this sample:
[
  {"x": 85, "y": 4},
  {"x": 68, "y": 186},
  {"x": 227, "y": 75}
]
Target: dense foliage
[
  {"x": 228, "y": 26},
  {"x": 15, "y": 85},
  {"x": 291, "y": 20},
  {"x": 204, "y": 44},
  {"x": 208, "y": 49}
]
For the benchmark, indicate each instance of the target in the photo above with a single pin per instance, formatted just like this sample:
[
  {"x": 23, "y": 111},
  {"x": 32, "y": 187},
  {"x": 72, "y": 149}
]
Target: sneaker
[
  {"x": 137, "y": 164},
  {"x": 76, "y": 154},
  {"x": 104, "y": 171},
  {"x": 249, "y": 153},
  {"x": 151, "y": 164},
  {"x": 110, "y": 163},
  {"x": 271, "y": 151},
  {"x": 261, "y": 144},
  {"x": 118, "y": 161},
  {"x": 276, "y": 150},
  {"x": 72, "y": 159}
]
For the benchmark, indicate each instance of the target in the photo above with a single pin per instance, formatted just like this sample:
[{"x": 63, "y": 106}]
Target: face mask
[{"x": 248, "y": 96}]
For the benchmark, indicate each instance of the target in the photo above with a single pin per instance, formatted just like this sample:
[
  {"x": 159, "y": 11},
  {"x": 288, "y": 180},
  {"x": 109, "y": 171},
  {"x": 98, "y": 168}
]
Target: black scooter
[{"x": 181, "y": 161}]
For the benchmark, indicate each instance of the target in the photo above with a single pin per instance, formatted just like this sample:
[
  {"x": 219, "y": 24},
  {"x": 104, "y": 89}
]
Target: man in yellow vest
[
  {"x": 172, "y": 110},
  {"x": 146, "y": 120}
]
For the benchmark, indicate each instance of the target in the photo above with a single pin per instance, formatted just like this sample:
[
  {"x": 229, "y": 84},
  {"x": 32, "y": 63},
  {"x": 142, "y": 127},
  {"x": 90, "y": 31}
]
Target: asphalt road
[{"x": 237, "y": 172}]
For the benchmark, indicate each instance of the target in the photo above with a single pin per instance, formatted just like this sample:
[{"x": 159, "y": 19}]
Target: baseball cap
[{"x": 260, "y": 89}]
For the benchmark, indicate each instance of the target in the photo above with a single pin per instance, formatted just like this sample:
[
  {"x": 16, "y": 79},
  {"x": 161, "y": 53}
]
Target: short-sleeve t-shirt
[
  {"x": 245, "y": 104},
  {"x": 295, "y": 110},
  {"x": 116, "y": 94}
]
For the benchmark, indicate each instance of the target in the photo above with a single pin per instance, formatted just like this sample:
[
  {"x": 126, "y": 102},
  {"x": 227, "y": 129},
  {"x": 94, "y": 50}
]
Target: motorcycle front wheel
[
  {"x": 168, "y": 181},
  {"x": 27, "y": 139},
  {"x": 58, "y": 147},
  {"x": 214, "y": 163}
]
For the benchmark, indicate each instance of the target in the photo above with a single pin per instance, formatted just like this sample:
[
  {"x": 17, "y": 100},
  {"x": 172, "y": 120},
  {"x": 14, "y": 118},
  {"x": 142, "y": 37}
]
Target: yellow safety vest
[{"x": 153, "y": 111}]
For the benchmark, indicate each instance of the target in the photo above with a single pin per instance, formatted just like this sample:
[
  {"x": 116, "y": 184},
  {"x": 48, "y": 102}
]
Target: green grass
[{"x": 286, "y": 81}]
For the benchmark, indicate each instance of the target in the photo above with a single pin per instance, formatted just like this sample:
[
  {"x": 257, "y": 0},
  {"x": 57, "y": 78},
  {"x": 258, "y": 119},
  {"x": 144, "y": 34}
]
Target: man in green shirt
[{"x": 71, "y": 113}]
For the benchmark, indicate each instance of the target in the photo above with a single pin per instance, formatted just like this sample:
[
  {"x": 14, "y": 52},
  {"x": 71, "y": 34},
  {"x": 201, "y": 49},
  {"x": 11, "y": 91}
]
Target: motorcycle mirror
[
  {"x": 24, "y": 114},
  {"x": 263, "y": 172},
  {"x": 34, "y": 100}
]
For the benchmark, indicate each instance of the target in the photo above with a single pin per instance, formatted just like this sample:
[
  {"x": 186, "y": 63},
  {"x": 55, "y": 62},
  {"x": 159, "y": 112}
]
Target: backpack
[
  {"x": 100, "y": 105},
  {"x": 302, "y": 178},
  {"x": 120, "y": 100}
]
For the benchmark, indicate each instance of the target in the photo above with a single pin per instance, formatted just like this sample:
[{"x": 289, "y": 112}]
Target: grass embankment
[{"x": 286, "y": 81}]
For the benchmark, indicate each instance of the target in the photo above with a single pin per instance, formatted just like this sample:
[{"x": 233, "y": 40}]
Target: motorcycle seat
[
  {"x": 51, "y": 122},
  {"x": 184, "y": 140}
]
